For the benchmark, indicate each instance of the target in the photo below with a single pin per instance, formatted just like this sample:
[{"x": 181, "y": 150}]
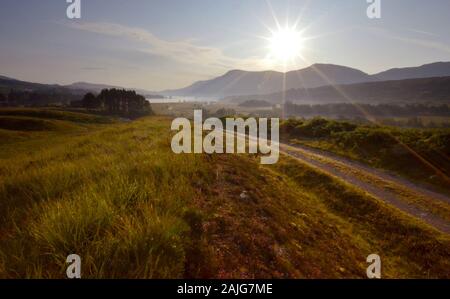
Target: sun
[{"x": 285, "y": 44}]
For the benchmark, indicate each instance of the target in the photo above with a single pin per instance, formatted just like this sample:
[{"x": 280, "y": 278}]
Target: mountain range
[
  {"x": 238, "y": 82},
  {"x": 407, "y": 91},
  {"x": 81, "y": 88},
  {"x": 247, "y": 83}
]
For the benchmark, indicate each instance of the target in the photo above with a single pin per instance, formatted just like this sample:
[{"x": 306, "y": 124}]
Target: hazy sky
[{"x": 159, "y": 44}]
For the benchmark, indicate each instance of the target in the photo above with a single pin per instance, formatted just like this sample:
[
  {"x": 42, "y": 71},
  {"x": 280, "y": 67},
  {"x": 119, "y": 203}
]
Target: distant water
[{"x": 180, "y": 100}]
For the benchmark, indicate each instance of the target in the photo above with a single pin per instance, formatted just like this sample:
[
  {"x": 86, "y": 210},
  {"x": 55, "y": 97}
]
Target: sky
[{"x": 165, "y": 44}]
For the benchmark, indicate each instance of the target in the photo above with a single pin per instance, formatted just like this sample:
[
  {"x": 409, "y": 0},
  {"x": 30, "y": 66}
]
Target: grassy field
[{"x": 115, "y": 194}]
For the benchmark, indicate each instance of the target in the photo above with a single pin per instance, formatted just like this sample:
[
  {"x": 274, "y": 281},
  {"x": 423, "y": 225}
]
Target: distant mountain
[
  {"x": 7, "y": 83},
  {"x": 422, "y": 90},
  {"x": 238, "y": 82},
  {"x": 37, "y": 94},
  {"x": 90, "y": 86},
  {"x": 97, "y": 88},
  {"x": 437, "y": 69}
]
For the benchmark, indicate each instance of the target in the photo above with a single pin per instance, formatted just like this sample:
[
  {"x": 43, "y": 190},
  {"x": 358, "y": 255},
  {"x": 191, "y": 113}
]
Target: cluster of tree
[
  {"x": 37, "y": 98},
  {"x": 364, "y": 110},
  {"x": 117, "y": 102}
]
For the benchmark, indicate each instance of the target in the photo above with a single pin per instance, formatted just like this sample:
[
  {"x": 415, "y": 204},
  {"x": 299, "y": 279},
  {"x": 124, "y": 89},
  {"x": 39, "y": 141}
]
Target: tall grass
[
  {"x": 410, "y": 249},
  {"x": 115, "y": 198}
]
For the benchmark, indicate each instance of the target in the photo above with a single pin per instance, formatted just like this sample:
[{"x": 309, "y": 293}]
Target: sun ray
[
  {"x": 285, "y": 44},
  {"x": 274, "y": 16}
]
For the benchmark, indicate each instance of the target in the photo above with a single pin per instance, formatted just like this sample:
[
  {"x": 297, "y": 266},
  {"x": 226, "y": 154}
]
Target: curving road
[
  {"x": 431, "y": 207},
  {"x": 399, "y": 192}
]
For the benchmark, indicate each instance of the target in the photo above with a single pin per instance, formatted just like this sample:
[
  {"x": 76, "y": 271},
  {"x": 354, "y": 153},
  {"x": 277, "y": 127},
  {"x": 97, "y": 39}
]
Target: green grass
[
  {"x": 117, "y": 196},
  {"x": 404, "y": 242},
  {"x": 20, "y": 123},
  {"x": 54, "y": 114},
  {"x": 25, "y": 130},
  {"x": 107, "y": 196}
]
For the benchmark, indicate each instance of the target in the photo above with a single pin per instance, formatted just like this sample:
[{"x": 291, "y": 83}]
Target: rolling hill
[
  {"x": 38, "y": 94},
  {"x": 150, "y": 213},
  {"x": 97, "y": 88},
  {"x": 437, "y": 69},
  {"x": 436, "y": 90},
  {"x": 7, "y": 84},
  {"x": 239, "y": 82}
]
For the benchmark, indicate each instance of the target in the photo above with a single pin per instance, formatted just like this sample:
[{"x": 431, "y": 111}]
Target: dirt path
[{"x": 429, "y": 206}]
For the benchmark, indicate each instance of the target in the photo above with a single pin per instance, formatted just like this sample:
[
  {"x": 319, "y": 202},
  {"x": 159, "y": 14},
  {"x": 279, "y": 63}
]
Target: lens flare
[{"x": 285, "y": 44}]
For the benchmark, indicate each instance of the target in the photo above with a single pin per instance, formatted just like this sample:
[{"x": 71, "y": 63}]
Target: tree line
[
  {"x": 120, "y": 102},
  {"x": 116, "y": 101}
]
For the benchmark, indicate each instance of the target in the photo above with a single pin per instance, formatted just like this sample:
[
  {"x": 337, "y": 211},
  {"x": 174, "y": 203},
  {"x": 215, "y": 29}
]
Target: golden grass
[{"x": 117, "y": 196}]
